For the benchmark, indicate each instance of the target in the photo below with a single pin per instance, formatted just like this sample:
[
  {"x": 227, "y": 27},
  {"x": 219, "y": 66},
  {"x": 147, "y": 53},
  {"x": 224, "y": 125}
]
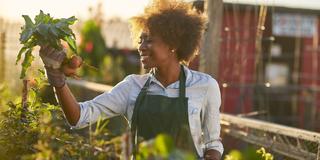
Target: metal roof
[{"x": 306, "y": 4}]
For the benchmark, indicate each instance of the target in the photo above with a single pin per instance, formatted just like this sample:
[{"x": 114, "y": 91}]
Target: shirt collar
[{"x": 175, "y": 84}]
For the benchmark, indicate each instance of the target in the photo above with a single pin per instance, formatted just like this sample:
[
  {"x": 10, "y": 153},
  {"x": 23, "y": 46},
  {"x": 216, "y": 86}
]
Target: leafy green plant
[
  {"x": 43, "y": 133},
  {"x": 265, "y": 155},
  {"x": 6, "y": 95},
  {"x": 162, "y": 147},
  {"x": 234, "y": 155},
  {"x": 45, "y": 30},
  {"x": 249, "y": 153},
  {"x": 16, "y": 134}
]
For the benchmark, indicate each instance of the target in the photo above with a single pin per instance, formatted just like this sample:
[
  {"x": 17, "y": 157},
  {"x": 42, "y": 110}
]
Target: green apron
[{"x": 155, "y": 114}]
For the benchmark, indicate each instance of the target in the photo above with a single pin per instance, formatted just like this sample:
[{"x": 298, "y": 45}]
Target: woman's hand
[
  {"x": 212, "y": 154},
  {"x": 57, "y": 66}
]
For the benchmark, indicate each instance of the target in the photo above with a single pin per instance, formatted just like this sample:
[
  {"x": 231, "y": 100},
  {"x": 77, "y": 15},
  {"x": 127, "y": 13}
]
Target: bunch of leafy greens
[{"x": 44, "y": 31}]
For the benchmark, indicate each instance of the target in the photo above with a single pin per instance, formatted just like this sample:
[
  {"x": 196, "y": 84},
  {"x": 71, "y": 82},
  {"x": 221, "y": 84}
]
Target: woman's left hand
[{"x": 212, "y": 154}]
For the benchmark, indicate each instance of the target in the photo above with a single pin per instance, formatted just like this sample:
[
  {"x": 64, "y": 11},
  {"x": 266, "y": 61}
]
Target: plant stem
[{"x": 24, "y": 100}]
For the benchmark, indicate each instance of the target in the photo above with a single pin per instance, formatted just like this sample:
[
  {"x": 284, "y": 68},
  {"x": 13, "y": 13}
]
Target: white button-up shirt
[{"x": 203, "y": 105}]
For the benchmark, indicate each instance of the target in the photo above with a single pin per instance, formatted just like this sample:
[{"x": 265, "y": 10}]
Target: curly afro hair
[{"x": 175, "y": 22}]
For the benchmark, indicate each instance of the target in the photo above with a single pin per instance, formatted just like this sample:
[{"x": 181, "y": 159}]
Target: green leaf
[
  {"x": 28, "y": 21},
  {"x": 39, "y": 18},
  {"x": 25, "y": 35},
  {"x": 22, "y": 50},
  {"x": 70, "y": 20},
  {"x": 164, "y": 144},
  {"x": 43, "y": 29},
  {"x": 55, "y": 32},
  {"x": 71, "y": 43},
  {"x": 30, "y": 44},
  {"x": 64, "y": 29},
  {"x": 28, "y": 58},
  {"x": 27, "y": 29},
  {"x": 42, "y": 18},
  {"x": 63, "y": 24}
]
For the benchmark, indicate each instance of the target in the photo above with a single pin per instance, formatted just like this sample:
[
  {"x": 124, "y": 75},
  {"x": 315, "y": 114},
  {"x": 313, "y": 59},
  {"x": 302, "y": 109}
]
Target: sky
[{"x": 13, "y": 9}]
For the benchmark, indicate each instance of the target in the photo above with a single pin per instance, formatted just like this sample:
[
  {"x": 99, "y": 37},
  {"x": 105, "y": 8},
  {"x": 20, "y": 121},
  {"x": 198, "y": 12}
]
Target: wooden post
[
  {"x": 315, "y": 66},
  {"x": 24, "y": 103},
  {"x": 295, "y": 75},
  {"x": 209, "y": 53},
  {"x": 126, "y": 145},
  {"x": 258, "y": 44}
]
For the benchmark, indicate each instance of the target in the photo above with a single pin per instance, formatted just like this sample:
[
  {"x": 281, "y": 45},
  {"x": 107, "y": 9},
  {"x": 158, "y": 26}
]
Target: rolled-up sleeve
[
  {"x": 106, "y": 105},
  {"x": 211, "y": 118}
]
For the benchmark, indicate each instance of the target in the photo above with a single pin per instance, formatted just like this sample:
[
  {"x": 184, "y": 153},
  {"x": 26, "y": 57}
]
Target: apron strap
[
  {"x": 146, "y": 85},
  {"x": 182, "y": 83}
]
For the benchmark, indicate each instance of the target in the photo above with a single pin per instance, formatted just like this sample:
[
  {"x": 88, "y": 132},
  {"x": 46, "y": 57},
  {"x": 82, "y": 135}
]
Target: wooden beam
[
  {"x": 90, "y": 85},
  {"x": 210, "y": 50},
  {"x": 271, "y": 127}
]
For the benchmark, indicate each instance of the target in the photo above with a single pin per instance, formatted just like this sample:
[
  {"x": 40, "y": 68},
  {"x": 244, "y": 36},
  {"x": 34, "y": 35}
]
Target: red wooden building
[{"x": 269, "y": 62}]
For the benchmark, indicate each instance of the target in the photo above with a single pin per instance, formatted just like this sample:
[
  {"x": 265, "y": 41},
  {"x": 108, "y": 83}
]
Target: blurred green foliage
[
  {"x": 249, "y": 153},
  {"x": 162, "y": 147},
  {"x": 94, "y": 51},
  {"x": 92, "y": 47}
]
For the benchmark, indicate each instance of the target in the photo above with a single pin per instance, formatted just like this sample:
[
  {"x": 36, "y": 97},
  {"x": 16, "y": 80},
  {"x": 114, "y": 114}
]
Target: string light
[
  {"x": 267, "y": 84},
  {"x": 272, "y": 38},
  {"x": 224, "y": 85}
]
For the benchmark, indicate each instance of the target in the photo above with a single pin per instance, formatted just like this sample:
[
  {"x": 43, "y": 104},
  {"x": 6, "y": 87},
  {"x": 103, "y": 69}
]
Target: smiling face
[{"x": 154, "y": 52}]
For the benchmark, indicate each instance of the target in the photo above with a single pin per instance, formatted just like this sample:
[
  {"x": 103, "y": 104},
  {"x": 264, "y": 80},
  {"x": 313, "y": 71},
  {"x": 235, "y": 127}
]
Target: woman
[{"x": 171, "y": 99}]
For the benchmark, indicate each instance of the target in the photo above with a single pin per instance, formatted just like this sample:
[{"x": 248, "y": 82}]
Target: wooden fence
[{"x": 288, "y": 141}]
